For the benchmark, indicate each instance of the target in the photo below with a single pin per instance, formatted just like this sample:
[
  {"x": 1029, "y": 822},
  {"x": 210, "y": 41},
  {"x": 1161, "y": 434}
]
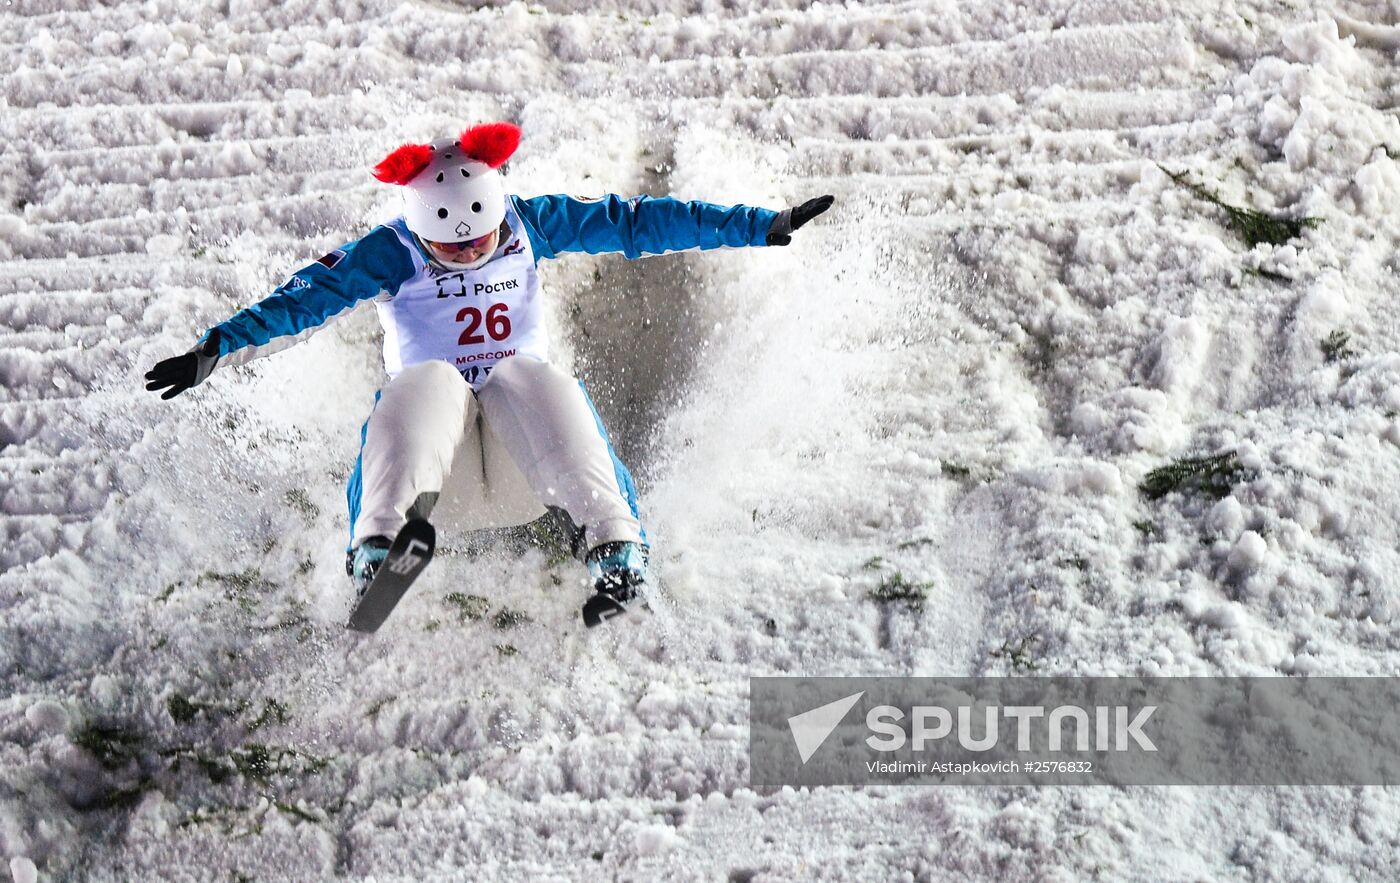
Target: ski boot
[
  {"x": 384, "y": 571},
  {"x": 363, "y": 562},
  {"x": 619, "y": 572}
]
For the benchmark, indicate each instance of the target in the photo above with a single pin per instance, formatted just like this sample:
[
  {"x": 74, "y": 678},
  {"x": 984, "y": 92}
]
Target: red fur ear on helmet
[
  {"x": 491, "y": 143},
  {"x": 403, "y": 164}
]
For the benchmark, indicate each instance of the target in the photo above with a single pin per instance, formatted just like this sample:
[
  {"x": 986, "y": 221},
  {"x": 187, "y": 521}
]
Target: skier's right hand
[
  {"x": 790, "y": 219},
  {"x": 183, "y": 372}
]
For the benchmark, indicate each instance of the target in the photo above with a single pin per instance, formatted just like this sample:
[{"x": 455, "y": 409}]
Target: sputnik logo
[{"x": 811, "y": 728}]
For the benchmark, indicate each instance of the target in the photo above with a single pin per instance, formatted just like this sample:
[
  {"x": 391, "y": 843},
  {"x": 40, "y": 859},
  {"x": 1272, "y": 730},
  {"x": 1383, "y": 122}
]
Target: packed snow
[{"x": 1029, "y": 296}]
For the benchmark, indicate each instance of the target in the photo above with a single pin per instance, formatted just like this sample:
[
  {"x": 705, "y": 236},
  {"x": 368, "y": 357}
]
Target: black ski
[
  {"x": 603, "y": 607},
  {"x": 408, "y": 557}
]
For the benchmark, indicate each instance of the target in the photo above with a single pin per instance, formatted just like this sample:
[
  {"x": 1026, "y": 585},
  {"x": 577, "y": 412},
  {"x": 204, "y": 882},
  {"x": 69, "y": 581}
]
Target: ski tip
[
  {"x": 413, "y": 548},
  {"x": 600, "y": 608}
]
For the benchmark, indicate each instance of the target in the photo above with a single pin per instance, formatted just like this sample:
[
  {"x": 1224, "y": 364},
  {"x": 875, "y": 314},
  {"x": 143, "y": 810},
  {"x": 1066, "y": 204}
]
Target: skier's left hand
[
  {"x": 182, "y": 372},
  {"x": 790, "y": 219}
]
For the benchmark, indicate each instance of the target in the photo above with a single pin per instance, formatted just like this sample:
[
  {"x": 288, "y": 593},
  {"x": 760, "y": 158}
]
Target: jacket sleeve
[
  {"x": 315, "y": 295},
  {"x": 639, "y": 226}
]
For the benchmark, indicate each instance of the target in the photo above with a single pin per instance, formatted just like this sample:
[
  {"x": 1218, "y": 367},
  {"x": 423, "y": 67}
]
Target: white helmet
[{"x": 452, "y": 190}]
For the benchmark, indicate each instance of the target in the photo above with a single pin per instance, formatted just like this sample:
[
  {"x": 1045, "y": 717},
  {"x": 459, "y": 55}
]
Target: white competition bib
[{"x": 468, "y": 318}]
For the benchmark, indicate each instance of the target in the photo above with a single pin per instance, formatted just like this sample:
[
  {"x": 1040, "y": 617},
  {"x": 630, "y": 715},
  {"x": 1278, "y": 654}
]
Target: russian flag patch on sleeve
[{"x": 330, "y": 260}]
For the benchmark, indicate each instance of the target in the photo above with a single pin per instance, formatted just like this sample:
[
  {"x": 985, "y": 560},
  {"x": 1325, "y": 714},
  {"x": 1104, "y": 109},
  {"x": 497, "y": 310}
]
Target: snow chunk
[
  {"x": 1310, "y": 125},
  {"x": 47, "y": 716},
  {"x": 1093, "y": 478},
  {"x": 1225, "y": 615},
  {"x": 1276, "y": 120},
  {"x": 1325, "y": 304},
  {"x": 656, "y": 839},
  {"x": 1023, "y": 827},
  {"x": 1249, "y": 456},
  {"x": 283, "y": 55},
  {"x": 238, "y": 159},
  {"x": 1376, "y": 36},
  {"x": 164, "y": 245},
  {"x": 1375, "y": 577},
  {"x": 475, "y": 788},
  {"x": 1319, "y": 43},
  {"x": 1377, "y": 185},
  {"x": 23, "y": 870},
  {"x": 1101, "y": 247},
  {"x": 659, "y": 704},
  {"x": 1227, "y": 518},
  {"x": 726, "y": 732},
  {"x": 1306, "y": 109},
  {"x": 153, "y": 817},
  {"x": 45, "y": 42},
  {"x": 104, "y": 690},
  {"x": 1375, "y": 384},
  {"x": 1135, "y": 419},
  {"x": 150, "y": 36},
  {"x": 1179, "y": 354},
  {"x": 11, "y": 226},
  {"x": 1249, "y": 553}
]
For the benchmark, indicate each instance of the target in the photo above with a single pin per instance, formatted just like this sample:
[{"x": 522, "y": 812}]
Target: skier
[{"x": 474, "y": 412}]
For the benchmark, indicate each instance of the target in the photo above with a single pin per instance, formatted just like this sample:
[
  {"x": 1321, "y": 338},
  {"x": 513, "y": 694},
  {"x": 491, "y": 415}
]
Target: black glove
[
  {"x": 182, "y": 372},
  {"x": 790, "y": 219}
]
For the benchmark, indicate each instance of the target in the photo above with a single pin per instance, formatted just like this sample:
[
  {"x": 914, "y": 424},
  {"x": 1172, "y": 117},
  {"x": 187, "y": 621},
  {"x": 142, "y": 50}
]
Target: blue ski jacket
[{"x": 379, "y": 264}]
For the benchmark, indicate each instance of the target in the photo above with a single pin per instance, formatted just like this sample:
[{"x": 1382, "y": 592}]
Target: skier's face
[{"x": 467, "y": 252}]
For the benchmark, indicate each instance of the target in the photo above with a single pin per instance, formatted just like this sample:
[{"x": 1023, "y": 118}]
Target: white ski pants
[{"x": 529, "y": 438}]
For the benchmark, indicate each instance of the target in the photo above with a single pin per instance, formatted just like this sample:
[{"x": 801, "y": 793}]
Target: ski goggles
[{"x": 476, "y": 244}]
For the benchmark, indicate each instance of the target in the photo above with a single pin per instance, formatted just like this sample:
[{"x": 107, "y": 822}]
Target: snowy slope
[{"x": 959, "y": 377}]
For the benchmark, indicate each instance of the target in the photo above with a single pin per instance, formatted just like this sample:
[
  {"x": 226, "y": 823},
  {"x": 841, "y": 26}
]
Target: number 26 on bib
[{"x": 497, "y": 324}]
